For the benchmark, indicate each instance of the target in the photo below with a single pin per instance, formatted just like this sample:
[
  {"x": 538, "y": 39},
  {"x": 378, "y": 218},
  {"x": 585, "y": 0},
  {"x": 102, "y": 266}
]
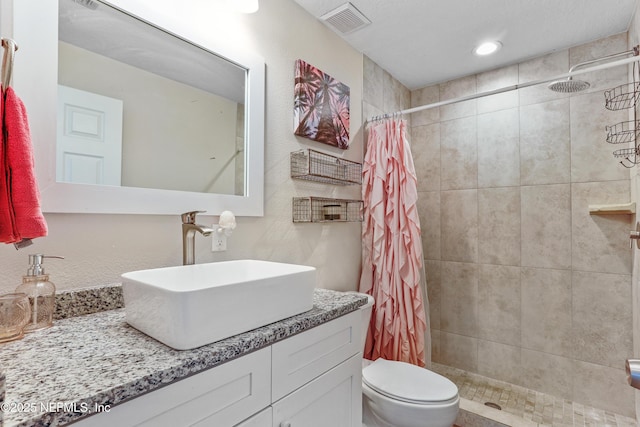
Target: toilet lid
[{"x": 408, "y": 383}]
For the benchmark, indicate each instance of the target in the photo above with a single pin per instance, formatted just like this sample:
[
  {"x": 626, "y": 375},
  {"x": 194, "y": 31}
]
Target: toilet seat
[{"x": 409, "y": 383}]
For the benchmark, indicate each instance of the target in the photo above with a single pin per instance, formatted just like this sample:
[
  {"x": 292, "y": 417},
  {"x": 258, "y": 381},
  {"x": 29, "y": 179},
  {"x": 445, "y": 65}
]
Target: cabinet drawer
[
  {"x": 221, "y": 396},
  {"x": 303, "y": 357}
]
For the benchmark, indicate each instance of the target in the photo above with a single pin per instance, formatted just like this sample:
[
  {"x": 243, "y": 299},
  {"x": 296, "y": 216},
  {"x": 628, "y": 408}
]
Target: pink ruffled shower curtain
[{"x": 392, "y": 270}]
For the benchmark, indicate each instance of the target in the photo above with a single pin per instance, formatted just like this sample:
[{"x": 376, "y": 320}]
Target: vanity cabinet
[{"x": 312, "y": 379}]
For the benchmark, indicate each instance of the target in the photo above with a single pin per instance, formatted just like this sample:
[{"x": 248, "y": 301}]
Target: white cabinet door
[{"x": 333, "y": 399}]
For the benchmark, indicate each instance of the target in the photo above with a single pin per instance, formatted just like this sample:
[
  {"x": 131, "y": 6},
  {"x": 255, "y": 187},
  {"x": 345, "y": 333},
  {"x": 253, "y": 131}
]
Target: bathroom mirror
[{"x": 152, "y": 117}]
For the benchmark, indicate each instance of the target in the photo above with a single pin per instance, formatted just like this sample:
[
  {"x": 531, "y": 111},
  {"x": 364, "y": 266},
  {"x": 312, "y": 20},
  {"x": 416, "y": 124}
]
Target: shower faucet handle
[
  {"x": 632, "y": 366},
  {"x": 635, "y": 235}
]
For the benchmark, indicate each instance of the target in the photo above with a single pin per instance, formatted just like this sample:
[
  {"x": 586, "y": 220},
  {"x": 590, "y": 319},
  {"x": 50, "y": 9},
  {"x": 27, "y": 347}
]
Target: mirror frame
[{"x": 38, "y": 49}]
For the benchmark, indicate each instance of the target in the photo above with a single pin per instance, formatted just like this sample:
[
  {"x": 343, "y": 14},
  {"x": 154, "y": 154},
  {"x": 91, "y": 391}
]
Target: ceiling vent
[{"x": 345, "y": 19}]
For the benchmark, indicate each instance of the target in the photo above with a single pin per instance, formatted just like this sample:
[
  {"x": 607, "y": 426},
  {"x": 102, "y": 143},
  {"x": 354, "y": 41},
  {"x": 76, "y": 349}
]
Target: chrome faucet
[{"x": 189, "y": 228}]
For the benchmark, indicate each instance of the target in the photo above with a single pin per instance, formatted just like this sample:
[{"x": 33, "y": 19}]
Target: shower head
[
  {"x": 572, "y": 86},
  {"x": 568, "y": 86}
]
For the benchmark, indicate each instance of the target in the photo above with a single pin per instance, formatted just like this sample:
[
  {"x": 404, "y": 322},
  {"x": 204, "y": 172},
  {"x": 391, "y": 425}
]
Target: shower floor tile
[{"x": 543, "y": 409}]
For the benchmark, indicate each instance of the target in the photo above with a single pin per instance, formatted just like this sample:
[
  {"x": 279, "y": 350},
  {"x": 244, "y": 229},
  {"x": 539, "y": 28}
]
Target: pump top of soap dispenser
[{"x": 35, "y": 264}]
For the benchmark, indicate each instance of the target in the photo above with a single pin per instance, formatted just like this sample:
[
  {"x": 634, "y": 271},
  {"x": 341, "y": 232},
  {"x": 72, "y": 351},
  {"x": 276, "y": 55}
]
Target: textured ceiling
[{"x": 421, "y": 42}]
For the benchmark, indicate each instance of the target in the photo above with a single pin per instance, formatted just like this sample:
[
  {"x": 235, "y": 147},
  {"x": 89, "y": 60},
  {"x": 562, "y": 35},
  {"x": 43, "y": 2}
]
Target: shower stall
[{"x": 527, "y": 287}]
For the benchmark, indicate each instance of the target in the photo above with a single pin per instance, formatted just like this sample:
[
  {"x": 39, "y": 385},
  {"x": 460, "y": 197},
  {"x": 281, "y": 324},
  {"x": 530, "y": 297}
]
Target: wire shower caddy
[
  {"x": 621, "y": 98},
  {"x": 623, "y": 132}
]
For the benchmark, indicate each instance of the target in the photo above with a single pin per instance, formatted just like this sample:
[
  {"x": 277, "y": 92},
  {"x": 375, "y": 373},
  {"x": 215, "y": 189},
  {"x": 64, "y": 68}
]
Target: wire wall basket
[
  {"x": 321, "y": 209},
  {"x": 622, "y": 97},
  {"x": 313, "y": 165},
  {"x": 623, "y": 132}
]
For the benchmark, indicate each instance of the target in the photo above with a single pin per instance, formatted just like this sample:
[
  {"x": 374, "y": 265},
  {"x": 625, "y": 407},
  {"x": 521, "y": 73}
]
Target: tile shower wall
[
  {"x": 634, "y": 39},
  {"x": 524, "y": 284},
  {"x": 381, "y": 92}
]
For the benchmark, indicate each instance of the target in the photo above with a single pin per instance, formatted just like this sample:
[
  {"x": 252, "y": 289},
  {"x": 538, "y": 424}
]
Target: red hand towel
[
  {"x": 7, "y": 225},
  {"x": 23, "y": 196}
]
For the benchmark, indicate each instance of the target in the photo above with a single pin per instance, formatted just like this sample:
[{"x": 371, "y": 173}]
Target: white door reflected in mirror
[{"x": 89, "y": 143}]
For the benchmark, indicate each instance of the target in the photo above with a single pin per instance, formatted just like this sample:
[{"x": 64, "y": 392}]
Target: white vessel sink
[{"x": 190, "y": 306}]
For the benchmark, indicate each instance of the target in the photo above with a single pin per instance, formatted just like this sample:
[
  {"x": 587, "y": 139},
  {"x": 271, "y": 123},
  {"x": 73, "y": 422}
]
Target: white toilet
[{"x": 398, "y": 394}]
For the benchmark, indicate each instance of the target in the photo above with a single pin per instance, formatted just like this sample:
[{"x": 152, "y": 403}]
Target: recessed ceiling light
[{"x": 487, "y": 48}]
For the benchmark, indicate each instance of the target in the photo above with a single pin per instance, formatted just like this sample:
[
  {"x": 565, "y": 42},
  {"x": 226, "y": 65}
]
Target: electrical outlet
[{"x": 219, "y": 242}]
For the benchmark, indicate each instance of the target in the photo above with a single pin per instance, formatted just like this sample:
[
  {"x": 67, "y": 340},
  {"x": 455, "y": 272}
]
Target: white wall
[{"x": 98, "y": 248}]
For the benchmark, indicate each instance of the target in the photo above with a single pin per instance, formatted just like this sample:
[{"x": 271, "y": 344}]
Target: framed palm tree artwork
[{"x": 321, "y": 106}]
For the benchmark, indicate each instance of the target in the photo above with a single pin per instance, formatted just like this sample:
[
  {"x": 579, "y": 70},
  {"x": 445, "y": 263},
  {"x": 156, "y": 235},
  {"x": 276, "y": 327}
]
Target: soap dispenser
[{"x": 41, "y": 293}]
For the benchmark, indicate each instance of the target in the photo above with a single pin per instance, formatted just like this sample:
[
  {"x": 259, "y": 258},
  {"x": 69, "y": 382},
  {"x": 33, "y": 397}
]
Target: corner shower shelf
[
  {"x": 623, "y": 132},
  {"x": 622, "y": 97},
  {"x": 613, "y": 209},
  {"x": 321, "y": 209},
  {"x": 312, "y": 165}
]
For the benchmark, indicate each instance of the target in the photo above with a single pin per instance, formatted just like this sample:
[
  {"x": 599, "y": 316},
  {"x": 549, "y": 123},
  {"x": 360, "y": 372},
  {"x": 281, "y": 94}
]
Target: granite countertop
[{"x": 98, "y": 360}]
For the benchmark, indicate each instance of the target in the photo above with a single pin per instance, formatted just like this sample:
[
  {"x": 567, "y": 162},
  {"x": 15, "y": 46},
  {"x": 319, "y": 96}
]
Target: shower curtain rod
[{"x": 505, "y": 89}]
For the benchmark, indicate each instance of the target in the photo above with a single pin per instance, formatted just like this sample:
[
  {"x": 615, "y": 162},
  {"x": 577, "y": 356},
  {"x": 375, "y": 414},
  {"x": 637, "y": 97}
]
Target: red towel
[
  {"x": 21, "y": 217},
  {"x": 7, "y": 232}
]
